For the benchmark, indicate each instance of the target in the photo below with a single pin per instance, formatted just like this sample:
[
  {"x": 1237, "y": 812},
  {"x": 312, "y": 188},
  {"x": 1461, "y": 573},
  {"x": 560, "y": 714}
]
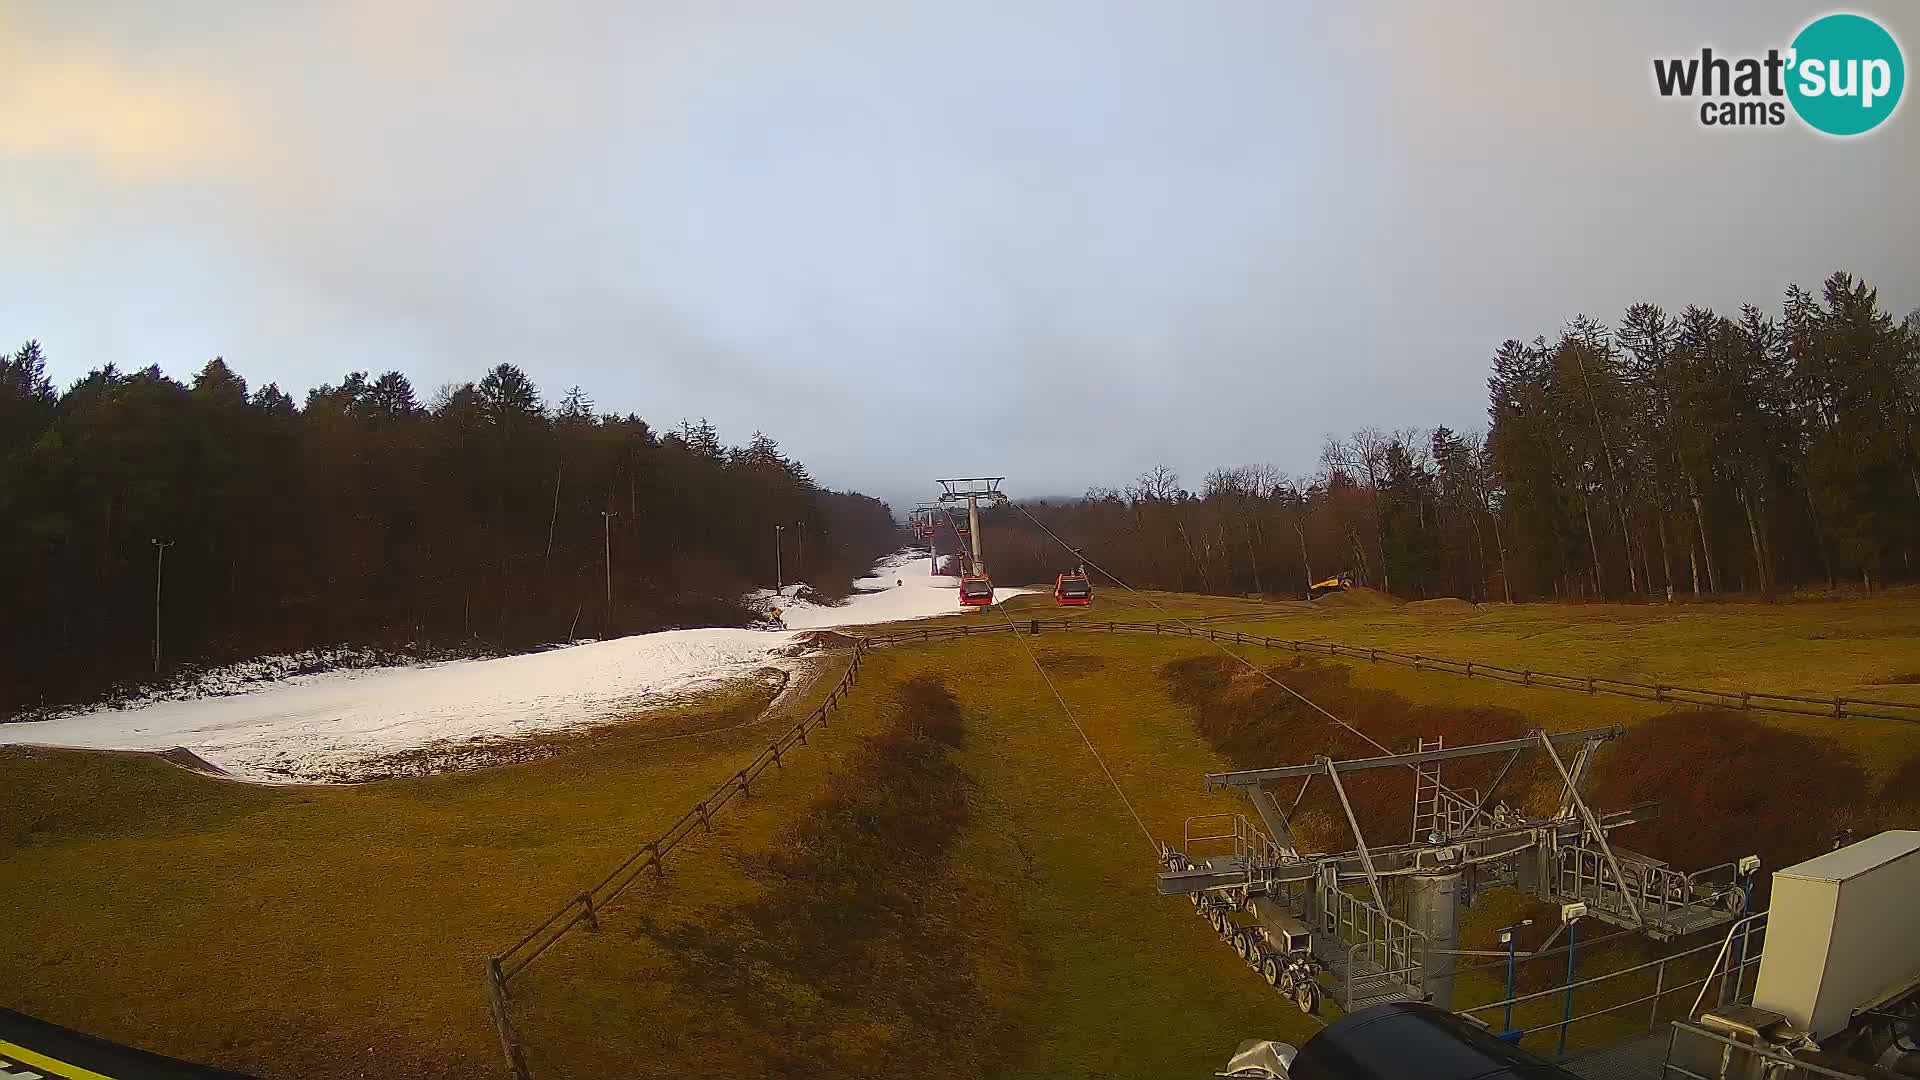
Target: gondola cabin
[
  {"x": 1072, "y": 590},
  {"x": 976, "y": 591}
]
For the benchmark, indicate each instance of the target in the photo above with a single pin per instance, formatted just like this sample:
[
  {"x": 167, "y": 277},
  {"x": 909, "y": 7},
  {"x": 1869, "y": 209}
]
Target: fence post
[
  {"x": 1746, "y": 700},
  {"x": 659, "y": 863},
  {"x": 1839, "y": 706},
  {"x": 706, "y": 820},
  {"x": 746, "y": 786},
  {"x": 1034, "y": 627},
  {"x": 1469, "y": 669},
  {"x": 593, "y": 921},
  {"x": 1589, "y": 684},
  {"x": 1526, "y": 678},
  {"x": 503, "y": 1023},
  {"x": 774, "y": 749},
  {"x": 1659, "y": 692}
]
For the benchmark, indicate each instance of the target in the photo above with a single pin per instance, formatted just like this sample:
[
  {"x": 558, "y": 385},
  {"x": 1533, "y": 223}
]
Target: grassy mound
[
  {"x": 1445, "y": 605},
  {"x": 1357, "y": 597}
]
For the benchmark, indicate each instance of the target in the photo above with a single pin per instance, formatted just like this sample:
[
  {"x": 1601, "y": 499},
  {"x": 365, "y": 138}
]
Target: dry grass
[
  {"x": 338, "y": 932},
  {"x": 327, "y": 931}
]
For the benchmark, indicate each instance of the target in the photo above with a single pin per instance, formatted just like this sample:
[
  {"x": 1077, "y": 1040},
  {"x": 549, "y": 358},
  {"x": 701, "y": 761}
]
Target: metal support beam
[
  {"x": 1279, "y": 824},
  {"x": 1251, "y": 777},
  {"x": 1487, "y": 799},
  {"x": 1359, "y": 841},
  {"x": 1301, "y": 795},
  {"x": 1593, "y": 827},
  {"x": 1578, "y": 770},
  {"x": 1396, "y": 860}
]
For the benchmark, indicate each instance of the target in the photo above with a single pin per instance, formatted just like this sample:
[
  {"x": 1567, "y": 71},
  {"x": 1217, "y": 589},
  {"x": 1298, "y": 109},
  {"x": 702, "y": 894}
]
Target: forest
[
  {"x": 240, "y": 522},
  {"x": 1689, "y": 455},
  {"x": 1667, "y": 456}
]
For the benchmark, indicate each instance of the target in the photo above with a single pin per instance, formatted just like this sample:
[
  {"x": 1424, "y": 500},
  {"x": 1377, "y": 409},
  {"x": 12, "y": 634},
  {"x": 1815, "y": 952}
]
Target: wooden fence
[
  {"x": 585, "y": 907},
  {"x": 1742, "y": 700}
]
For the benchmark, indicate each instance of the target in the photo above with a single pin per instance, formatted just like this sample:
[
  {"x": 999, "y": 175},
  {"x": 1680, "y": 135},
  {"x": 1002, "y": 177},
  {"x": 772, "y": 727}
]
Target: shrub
[{"x": 1729, "y": 785}]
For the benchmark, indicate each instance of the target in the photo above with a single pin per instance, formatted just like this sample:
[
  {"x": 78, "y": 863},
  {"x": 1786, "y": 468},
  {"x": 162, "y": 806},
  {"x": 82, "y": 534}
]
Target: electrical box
[{"x": 1844, "y": 930}]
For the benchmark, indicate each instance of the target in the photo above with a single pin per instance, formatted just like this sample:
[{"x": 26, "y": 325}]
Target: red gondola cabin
[
  {"x": 1072, "y": 590},
  {"x": 976, "y": 591}
]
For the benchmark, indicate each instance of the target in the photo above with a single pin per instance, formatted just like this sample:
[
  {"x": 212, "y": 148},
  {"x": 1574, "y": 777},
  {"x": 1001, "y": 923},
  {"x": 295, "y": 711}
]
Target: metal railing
[
  {"x": 1391, "y": 945},
  {"x": 586, "y": 907},
  {"x": 1664, "y": 894},
  {"x": 1248, "y": 840},
  {"x": 1695, "y": 1053},
  {"x": 1748, "y": 933},
  {"x": 1198, "y": 626}
]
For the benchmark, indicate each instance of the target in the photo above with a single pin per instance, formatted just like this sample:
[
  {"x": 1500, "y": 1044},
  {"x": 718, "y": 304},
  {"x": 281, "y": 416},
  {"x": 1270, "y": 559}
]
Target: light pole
[
  {"x": 607, "y": 517},
  {"x": 159, "y": 565},
  {"x": 1507, "y": 939},
  {"x": 778, "y": 582}
]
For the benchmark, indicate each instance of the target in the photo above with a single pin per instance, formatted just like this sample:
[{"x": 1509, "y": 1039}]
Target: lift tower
[{"x": 972, "y": 489}]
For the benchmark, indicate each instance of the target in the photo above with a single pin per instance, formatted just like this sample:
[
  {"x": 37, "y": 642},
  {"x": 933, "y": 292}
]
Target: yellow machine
[{"x": 1338, "y": 583}]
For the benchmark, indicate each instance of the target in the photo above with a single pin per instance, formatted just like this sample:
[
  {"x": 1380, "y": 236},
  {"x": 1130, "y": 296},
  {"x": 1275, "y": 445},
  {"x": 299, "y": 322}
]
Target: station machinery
[{"x": 1381, "y": 921}]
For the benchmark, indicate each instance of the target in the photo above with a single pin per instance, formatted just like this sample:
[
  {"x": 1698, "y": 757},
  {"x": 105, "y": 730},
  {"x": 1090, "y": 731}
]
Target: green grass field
[{"x": 330, "y": 932}]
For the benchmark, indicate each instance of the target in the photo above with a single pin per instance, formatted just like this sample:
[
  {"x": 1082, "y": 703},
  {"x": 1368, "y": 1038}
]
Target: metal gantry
[{"x": 1382, "y": 919}]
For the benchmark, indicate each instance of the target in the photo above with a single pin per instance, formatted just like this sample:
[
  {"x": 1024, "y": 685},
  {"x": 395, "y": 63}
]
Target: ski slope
[
  {"x": 352, "y": 725},
  {"x": 901, "y": 586}
]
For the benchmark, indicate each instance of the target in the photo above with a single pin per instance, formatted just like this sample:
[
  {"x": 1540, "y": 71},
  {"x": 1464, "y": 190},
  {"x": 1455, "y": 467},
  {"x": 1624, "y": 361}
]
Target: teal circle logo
[{"x": 1846, "y": 74}]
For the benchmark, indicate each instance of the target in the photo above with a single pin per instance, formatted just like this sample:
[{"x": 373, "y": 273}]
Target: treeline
[
  {"x": 481, "y": 519},
  {"x": 1694, "y": 454}
]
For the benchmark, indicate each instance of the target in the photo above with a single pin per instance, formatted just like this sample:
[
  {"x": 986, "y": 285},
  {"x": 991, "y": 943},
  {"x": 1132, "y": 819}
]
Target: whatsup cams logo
[{"x": 1842, "y": 75}]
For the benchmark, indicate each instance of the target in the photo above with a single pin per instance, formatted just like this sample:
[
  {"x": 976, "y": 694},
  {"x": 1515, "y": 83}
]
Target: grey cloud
[{"x": 1061, "y": 241}]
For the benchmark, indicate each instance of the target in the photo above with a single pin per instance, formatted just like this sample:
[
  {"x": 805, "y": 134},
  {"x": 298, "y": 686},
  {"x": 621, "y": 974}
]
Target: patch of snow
[
  {"x": 345, "y": 714},
  {"x": 246, "y": 676},
  {"x": 901, "y": 587},
  {"x": 340, "y": 725}
]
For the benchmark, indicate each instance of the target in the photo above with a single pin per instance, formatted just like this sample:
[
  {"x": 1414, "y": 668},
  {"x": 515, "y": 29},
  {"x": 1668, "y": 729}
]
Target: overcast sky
[{"x": 1057, "y": 241}]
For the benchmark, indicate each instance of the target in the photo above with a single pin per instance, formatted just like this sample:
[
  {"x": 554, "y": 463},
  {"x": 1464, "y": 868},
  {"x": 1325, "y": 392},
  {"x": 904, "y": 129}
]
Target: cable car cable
[
  {"x": 1068, "y": 711},
  {"x": 1071, "y": 719},
  {"x": 1250, "y": 665}
]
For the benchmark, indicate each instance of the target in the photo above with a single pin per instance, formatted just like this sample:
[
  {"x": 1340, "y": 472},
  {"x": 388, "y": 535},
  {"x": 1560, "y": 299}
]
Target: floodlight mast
[{"x": 972, "y": 489}]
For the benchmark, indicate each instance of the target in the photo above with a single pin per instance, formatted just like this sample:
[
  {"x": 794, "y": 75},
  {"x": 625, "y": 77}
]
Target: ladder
[{"x": 1426, "y": 792}]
